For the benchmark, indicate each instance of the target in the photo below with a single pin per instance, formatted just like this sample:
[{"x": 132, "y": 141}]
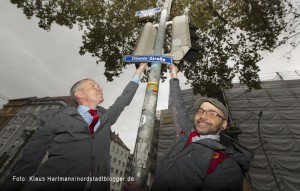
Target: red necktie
[
  {"x": 94, "y": 121},
  {"x": 192, "y": 134}
]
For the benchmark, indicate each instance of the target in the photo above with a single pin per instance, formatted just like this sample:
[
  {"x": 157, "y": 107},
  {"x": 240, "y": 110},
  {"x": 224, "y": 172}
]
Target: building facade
[
  {"x": 269, "y": 119},
  {"x": 18, "y": 131},
  {"x": 11, "y": 108},
  {"x": 119, "y": 156}
]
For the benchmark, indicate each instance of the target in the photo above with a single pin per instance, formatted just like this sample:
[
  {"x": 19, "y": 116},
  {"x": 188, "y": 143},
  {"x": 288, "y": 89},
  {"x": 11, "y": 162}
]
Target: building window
[
  {"x": 111, "y": 169},
  {"x": 114, "y": 160},
  {"x": 2, "y": 120},
  {"x": 24, "y": 119},
  {"x": 117, "y": 171},
  {"x": 121, "y": 153},
  {"x": 44, "y": 108},
  {"x": 117, "y": 151},
  {"x": 27, "y": 109},
  {"x": 30, "y": 121},
  {"x": 8, "y": 110},
  {"x": 113, "y": 148},
  {"x": 17, "y": 119},
  {"x": 119, "y": 162},
  {"x": 37, "y": 109},
  {"x": 123, "y": 164},
  {"x": 121, "y": 173}
]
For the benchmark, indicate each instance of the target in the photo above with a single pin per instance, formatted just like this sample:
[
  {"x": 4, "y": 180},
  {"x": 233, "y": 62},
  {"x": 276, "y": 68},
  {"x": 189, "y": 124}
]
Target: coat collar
[{"x": 72, "y": 111}]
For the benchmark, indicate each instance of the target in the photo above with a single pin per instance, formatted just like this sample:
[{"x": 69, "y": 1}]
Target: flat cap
[{"x": 213, "y": 101}]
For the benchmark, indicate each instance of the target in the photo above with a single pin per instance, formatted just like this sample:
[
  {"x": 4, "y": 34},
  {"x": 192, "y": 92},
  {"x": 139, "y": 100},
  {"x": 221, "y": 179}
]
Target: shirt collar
[
  {"x": 82, "y": 109},
  {"x": 215, "y": 137}
]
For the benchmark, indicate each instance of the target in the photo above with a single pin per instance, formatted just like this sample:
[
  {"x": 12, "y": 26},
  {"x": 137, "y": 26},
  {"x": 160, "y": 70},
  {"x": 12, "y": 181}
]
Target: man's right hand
[{"x": 173, "y": 71}]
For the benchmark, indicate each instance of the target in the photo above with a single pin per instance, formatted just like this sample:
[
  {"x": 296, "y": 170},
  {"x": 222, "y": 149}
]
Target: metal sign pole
[{"x": 140, "y": 163}]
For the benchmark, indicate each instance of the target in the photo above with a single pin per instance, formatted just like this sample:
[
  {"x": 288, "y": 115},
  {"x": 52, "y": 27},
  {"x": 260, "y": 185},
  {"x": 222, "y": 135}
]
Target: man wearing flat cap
[{"x": 201, "y": 158}]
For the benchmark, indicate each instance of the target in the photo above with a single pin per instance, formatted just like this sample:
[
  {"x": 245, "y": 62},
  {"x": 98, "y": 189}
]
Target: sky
[{"x": 34, "y": 62}]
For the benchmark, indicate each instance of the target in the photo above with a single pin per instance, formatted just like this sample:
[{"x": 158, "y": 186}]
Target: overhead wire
[{"x": 4, "y": 97}]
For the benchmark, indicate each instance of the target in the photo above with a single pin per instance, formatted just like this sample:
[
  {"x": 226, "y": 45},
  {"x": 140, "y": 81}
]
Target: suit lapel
[{"x": 103, "y": 117}]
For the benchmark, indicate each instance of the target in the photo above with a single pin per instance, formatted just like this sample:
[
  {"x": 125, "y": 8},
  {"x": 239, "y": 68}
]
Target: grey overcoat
[{"x": 73, "y": 151}]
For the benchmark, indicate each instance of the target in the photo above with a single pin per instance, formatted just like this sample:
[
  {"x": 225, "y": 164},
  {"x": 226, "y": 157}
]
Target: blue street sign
[
  {"x": 147, "y": 12},
  {"x": 149, "y": 58}
]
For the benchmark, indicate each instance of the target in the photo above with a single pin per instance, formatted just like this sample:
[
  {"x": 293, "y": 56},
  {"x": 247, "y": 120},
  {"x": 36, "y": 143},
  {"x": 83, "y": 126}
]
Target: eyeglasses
[{"x": 209, "y": 113}]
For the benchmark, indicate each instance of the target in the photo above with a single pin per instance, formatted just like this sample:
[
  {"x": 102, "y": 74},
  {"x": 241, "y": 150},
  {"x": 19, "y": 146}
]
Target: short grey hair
[{"x": 75, "y": 88}]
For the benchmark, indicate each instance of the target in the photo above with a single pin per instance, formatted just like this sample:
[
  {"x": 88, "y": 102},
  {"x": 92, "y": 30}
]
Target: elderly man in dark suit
[{"x": 77, "y": 140}]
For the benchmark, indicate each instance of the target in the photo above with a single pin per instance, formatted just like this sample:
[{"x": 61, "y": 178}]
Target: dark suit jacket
[{"x": 73, "y": 151}]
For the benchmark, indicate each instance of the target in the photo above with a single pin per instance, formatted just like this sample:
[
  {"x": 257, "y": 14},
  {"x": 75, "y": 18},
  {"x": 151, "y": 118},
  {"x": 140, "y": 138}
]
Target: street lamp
[{"x": 263, "y": 148}]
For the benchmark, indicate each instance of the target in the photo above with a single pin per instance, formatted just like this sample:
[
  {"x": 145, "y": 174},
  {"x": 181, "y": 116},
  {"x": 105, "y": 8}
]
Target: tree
[
  {"x": 232, "y": 33},
  {"x": 291, "y": 33}
]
